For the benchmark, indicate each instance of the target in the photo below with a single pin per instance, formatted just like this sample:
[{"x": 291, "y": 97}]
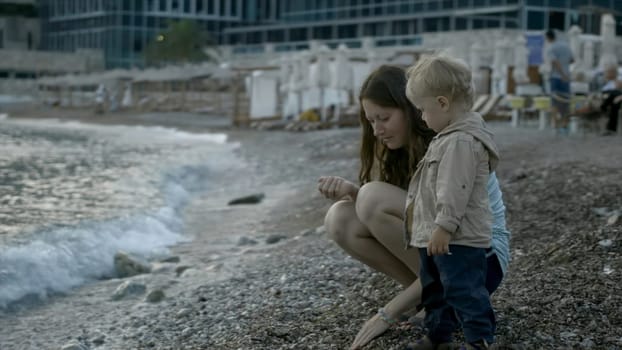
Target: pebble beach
[{"x": 265, "y": 275}]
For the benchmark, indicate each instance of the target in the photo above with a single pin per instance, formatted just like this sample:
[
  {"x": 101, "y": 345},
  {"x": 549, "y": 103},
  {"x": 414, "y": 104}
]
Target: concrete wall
[
  {"x": 47, "y": 62},
  {"x": 16, "y": 31}
]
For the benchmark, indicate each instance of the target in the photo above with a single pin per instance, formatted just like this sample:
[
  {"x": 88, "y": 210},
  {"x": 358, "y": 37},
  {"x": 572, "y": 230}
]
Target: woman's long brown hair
[{"x": 386, "y": 87}]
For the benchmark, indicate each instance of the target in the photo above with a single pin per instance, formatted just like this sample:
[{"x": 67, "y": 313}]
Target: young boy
[{"x": 448, "y": 216}]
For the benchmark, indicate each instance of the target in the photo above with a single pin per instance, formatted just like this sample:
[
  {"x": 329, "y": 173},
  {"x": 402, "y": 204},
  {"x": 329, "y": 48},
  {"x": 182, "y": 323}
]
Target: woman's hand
[
  {"x": 335, "y": 187},
  {"x": 374, "y": 327}
]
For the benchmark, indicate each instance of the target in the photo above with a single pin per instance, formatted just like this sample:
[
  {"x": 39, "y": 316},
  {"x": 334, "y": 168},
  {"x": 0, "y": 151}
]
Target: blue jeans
[
  {"x": 560, "y": 90},
  {"x": 454, "y": 293}
]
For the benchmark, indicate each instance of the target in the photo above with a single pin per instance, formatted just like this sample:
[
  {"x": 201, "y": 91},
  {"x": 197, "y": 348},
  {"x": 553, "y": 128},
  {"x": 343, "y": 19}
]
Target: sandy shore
[{"x": 562, "y": 291}]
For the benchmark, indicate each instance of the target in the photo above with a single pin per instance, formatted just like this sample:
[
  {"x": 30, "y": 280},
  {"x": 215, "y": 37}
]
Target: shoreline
[{"x": 303, "y": 292}]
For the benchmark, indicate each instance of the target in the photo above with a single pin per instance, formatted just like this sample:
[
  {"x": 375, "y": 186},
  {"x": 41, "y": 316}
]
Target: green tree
[{"x": 183, "y": 41}]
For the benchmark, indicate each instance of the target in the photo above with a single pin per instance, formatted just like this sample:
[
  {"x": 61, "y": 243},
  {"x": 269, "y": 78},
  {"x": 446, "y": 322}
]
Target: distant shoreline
[{"x": 187, "y": 121}]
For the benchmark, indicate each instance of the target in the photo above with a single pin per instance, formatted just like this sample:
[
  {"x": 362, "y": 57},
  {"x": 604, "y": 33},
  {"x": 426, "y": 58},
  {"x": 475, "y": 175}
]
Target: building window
[
  {"x": 493, "y": 23},
  {"x": 535, "y": 2},
  {"x": 234, "y": 38},
  {"x": 444, "y": 23},
  {"x": 298, "y": 34},
  {"x": 254, "y": 37},
  {"x": 369, "y": 29},
  {"x": 462, "y": 23},
  {"x": 535, "y": 20},
  {"x": 1, "y": 39},
  {"x": 558, "y": 3},
  {"x": 430, "y": 25},
  {"x": 138, "y": 45},
  {"x": 346, "y": 31},
  {"x": 605, "y": 4},
  {"x": 511, "y": 24},
  {"x": 276, "y": 36},
  {"x": 234, "y": 8},
  {"x": 162, "y": 5},
  {"x": 557, "y": 20},
  {"x": 400, "y": 27},
  {"x": 324, "y": 32}
]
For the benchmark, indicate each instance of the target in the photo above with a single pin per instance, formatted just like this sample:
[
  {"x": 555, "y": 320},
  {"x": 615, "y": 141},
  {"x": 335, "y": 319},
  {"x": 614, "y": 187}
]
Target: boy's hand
[{"x": 439, "y": 242}]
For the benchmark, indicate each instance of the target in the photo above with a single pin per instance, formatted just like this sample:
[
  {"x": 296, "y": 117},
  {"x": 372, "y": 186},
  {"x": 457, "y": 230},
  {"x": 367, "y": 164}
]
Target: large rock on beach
[
  {"x": 74, "y": 345},
  {"x": 275, "y": 238},
  {"x": 128, "y": 288},
  {"x": 155, "y": 296},
  {"x": 125, "y": 266},
  {"x": 250, "y": 199}
]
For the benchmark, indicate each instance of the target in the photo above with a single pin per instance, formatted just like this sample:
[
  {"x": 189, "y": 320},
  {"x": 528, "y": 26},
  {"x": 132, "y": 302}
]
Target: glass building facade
[{"x": 123, "y": 27}]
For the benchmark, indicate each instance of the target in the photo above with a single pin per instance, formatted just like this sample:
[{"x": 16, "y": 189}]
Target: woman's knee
[
  {"x": 369, "y": 201},
  {"x": 338, "y": 221}
]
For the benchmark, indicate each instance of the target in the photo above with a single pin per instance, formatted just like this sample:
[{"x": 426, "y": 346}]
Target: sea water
[{"x": 72, "y": 195}]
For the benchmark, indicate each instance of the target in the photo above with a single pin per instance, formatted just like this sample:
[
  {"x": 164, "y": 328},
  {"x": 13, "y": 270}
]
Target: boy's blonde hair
[{"x": 437, "y": 75}]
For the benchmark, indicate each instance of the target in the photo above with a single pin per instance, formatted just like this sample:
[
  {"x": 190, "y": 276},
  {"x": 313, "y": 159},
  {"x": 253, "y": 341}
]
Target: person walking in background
[
  {"x": 612, "y": 99},
  {"x": 560, "y": 55}
]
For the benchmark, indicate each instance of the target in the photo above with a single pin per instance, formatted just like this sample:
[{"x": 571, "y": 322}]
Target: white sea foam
[
  {"x": 58, "y": 259},
  {"x": 64, "y": 258},
  {"x": 137, "y": 133}
]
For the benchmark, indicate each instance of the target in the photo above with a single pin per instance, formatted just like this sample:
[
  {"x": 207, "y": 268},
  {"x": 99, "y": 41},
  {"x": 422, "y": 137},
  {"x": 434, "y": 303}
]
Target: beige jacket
[{"x": 448, "y": 188}]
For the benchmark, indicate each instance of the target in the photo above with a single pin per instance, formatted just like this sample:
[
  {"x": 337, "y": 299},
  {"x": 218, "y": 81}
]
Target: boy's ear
[{"x": 443, "y": 102}]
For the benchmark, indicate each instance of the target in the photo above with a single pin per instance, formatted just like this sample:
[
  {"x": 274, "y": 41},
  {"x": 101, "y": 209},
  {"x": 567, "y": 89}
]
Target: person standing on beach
[
  {"x": 560, "y": 55},
  {"x": 448, "y": 218},
  {"x": 612, "y": 91},
  {"x": 367, "y": 220}
]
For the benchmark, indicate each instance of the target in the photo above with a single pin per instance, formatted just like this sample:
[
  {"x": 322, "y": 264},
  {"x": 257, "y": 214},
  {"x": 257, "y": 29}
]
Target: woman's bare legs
[
  {"x": 376, "y": 240},
  {"x": 371, "y": 231}
]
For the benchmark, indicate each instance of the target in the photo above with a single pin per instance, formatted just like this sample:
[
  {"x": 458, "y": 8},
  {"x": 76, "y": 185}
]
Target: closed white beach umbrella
[
  {"x": 284, "y": 73},
  {"x": 373, "y": 60},
  {"x": 475, "y": 60},
  {"x": 520, "y": 60},
  {"x": 299, "y": 79},
  {"x": 342, "y": 76},
  {"x": 609, "y": 45},
  {"x": 574, "y": 38},
  {"x": 321, "y": 77},
  {"x": 497, "y": 66},
  {"x": 588, "y": 55}
]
